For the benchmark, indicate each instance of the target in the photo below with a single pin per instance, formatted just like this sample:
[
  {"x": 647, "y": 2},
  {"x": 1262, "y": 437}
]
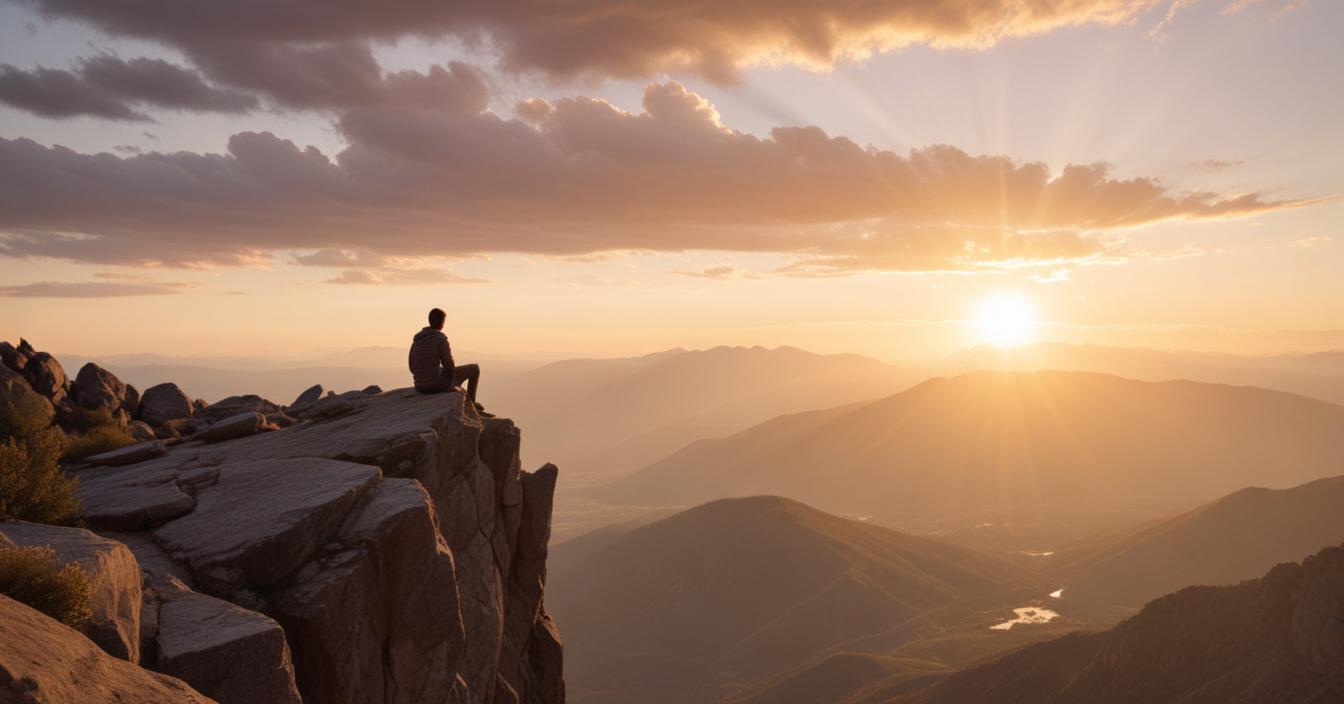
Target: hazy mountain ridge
[
  {"x": 1012, "y": 438},
  {"x": 604, "y": 416},
  {"x": 1229, "y": 540},
  {"x": 742, "y": 588},
  {"x": 1279, "y": 638}
]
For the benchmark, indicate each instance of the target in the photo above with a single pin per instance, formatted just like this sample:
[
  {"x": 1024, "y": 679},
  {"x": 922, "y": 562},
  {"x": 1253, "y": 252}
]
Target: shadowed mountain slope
[
  {"x": 1277, "y": 639},
  {"x": 1016, "y": 440},
  {"x": 742, "y": 588},
  {"x": 1232, "y": 539}
]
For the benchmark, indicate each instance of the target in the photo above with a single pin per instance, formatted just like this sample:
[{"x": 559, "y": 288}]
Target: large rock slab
[
  {"x": 224, "y": 651},
  {"x": 114, "y": 581},
  {"x": 43, "y": 661},
  {"x": 233, "y": 427},
  {"x": 131, "y": 454},
  {"x": 259, "y": 521},
  {"x": 164, "y": 402}
]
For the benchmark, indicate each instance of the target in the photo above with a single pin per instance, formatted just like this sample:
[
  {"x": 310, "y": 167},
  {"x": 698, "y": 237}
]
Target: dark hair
[{"x": 436, "y": 318}]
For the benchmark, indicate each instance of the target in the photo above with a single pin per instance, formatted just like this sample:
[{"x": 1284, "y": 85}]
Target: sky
[{"x": 272, "y": 178}]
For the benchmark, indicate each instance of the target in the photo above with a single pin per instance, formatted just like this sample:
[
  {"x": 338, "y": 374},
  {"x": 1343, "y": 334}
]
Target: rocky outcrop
[
  {"x": 393, "y": 536},
  {"x": 310, "y": 396},
  {"x": 114, "y": 581},
  {"x": 164, "y": 402},
  {"x": 45, "y": 662}
]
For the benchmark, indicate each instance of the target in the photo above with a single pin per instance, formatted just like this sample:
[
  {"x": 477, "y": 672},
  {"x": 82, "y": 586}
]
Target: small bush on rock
[
  {"x": 32, "y": 576},
  {"x": 33, "y": 487},
  {"x": 95, "y": 441}
]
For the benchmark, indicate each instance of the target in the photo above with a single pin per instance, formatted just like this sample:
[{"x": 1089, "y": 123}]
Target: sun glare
[{"x": 1006, "y": 320}]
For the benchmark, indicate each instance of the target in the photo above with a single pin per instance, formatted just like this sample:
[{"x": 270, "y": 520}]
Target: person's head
[{"x": 436, "y": 318}]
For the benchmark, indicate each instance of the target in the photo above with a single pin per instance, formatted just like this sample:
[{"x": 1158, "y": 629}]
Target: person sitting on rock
[{"x": 431, "y": 363}]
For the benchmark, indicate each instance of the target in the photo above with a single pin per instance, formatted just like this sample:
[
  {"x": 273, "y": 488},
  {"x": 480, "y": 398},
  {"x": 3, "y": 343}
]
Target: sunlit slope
[
  {"x": 1277, "y": 639},
  {"x": 1319, "y": 375},
  {"x": 1043, "y": 439},
  {"x": 624, "y": 414},
  {"x": 1235, "y": 538},
  {"x": 747, "y": 587}
]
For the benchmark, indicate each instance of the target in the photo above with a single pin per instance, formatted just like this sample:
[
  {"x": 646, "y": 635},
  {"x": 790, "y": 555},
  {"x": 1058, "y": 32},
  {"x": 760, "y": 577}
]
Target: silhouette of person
[{"x": 432, "y": 366}]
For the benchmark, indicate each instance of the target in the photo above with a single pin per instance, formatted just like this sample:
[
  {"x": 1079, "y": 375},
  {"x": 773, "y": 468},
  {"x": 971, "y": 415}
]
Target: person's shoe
[{"x": 480, "y": 410}]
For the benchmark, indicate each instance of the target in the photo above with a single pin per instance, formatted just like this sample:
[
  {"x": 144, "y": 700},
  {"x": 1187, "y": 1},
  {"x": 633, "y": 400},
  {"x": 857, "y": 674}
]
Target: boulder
[
  {"x": 164, "y": 402},
  {"x": 47, "y": 377},
  {"x": 231, "y": 654},
  {"x": 233, "y": 427},
  {"x": 12, "y": 358},
  {"x": 258, "y": 522},
  {"x": 312, "y": 395},
  {"x": 130, "y": 402},
  {"x": 131, "y": 454},
  {"x": 17, "y": 398},
  {"x": 234, "y": 405},
  {"x": 97, "y": 389},
  {"x": 372, "y": 389},
  {"x": 140, "y": 430},
  {"x": 114, "y": 581},
  {"x": 43, "y": 661}
]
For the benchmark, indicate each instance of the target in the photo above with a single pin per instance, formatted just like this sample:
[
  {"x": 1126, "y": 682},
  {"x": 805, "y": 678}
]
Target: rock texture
[
  {"x": 97, "y": 389},
  {"x": 226, "y": 652},
  {"x": 45, "y": 662},
  {"x": 114, "y": 579},
  {"x": 393, "y": 536}
]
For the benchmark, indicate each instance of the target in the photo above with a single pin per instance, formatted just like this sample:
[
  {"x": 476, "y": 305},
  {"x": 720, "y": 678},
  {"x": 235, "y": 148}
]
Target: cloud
[
  {"x": 575, "y": 177},
  {"x": 401, "y": 277},
  {"x": 1306, "y": 242},
  {"x": 608, "y": 37},
  {"x": 339, "y": 258},
  {"x": 91, "y": 289},
  {"x": 1217, "y": 165},
  {"x": 720, "y": 273},
  {"x": 108, "y": 87}
]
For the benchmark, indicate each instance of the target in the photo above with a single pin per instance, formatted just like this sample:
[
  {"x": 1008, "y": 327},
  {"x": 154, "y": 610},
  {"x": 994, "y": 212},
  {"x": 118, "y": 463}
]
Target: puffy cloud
[
  {"x": 573, "y": 177},
  {"x": 91, "y": 289},
  {"x": 610, "y": 37},
  {"x": 112, "y": 88}
]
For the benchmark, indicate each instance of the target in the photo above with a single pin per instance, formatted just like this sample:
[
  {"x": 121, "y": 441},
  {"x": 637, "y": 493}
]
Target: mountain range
[
  {"x": 742, "y": 588},
  {"x": 1024, "y": 442}
]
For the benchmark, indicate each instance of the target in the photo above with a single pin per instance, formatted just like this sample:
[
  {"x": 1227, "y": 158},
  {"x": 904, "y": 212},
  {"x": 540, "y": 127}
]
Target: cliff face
[{"x": 388, "y": 548}]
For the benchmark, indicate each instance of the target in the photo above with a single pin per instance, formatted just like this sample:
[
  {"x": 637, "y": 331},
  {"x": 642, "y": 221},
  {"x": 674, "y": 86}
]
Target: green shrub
[
  {"x": 33, "y": 487},
  {"x": 32, "y": 576},
  {"x": 78, "y": 419},
  {"x": 23, "y": 412},
  {"x": 94, "y": 441}
]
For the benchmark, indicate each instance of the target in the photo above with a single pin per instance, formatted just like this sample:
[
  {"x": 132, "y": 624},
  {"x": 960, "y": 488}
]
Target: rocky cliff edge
[{"x": 386, "y": 548}]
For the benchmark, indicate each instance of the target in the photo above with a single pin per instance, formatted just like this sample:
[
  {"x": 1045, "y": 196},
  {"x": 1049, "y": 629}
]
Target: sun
[{"x": 1006, "y": 320}]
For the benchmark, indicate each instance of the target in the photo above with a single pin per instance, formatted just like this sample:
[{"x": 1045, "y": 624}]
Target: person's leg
[
  {"x": 441, "y": 385},
  {"x": 470, "y": 374}
]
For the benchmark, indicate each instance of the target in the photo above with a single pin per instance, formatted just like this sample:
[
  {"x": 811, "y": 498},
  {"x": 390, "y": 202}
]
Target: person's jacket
[{"x": 430, "y": 353}]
